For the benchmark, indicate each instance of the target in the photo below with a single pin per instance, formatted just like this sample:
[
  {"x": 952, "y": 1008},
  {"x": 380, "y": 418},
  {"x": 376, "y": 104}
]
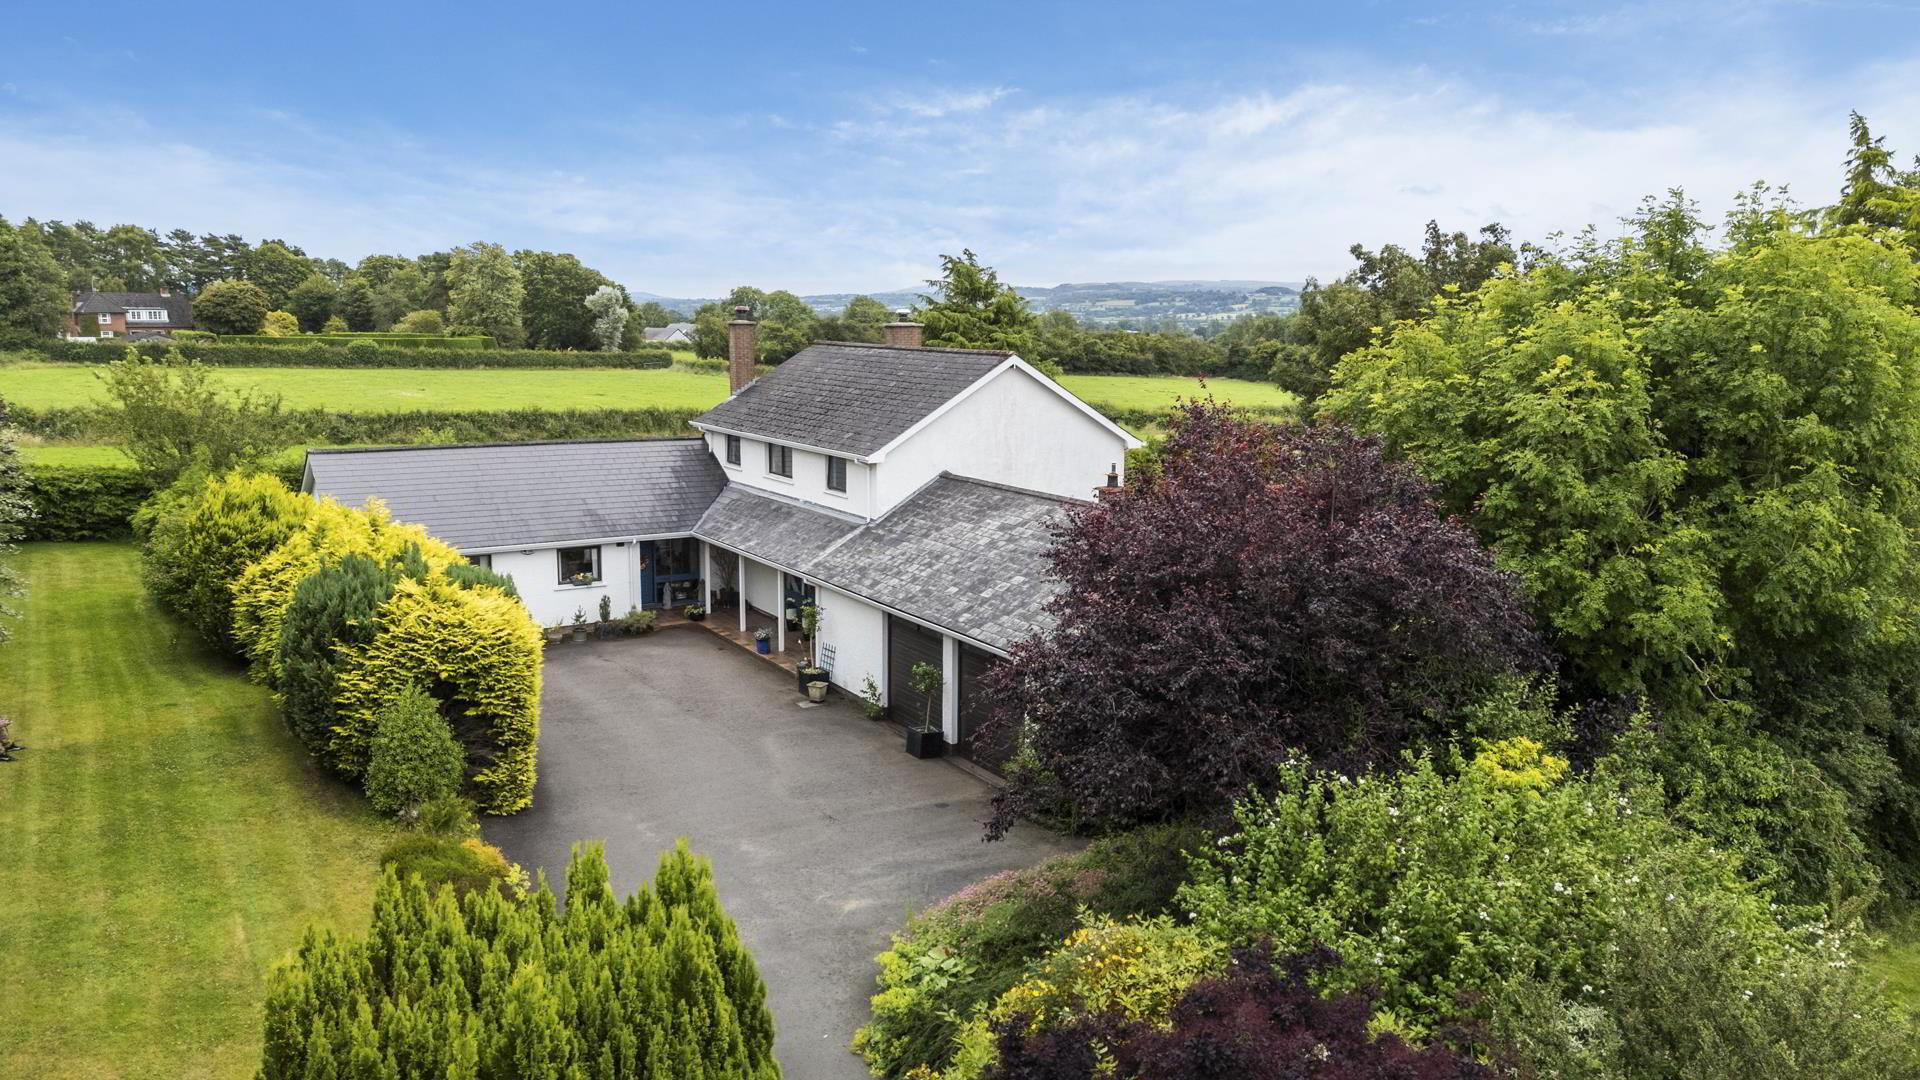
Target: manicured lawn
[
  {"x": 45, "y": 386},
  {"x": 41, "y": 385},
  {"x": 1138, "y": 392},
  {"x": 165, "y": 839}
]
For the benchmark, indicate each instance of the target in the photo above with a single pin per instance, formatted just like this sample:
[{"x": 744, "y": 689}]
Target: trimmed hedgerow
[
  {"x": 84, "y": 502},
  {"x": 487, "y": 986},
  {"x": 303, "y": 352},
  {"x": 91, "y": 424},
  {"x": 479, "y": 652},
  {"x": 414, "y": 759},
  {"x": 202, "y": 537}
]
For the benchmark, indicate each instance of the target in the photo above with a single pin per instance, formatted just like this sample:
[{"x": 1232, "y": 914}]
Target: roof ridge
[
  {"x": 915, "y": 348},
  {"x": 946, "y": 474},
  {"x": 489, "y": 445}
]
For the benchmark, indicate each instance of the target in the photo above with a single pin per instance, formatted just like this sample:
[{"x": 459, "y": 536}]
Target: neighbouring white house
[
  {"x": 909, "y": 492},
  {"x": 678, "y": 333}
]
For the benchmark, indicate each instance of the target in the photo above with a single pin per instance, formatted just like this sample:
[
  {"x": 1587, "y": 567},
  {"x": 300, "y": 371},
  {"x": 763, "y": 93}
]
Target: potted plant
[
  {"x": 870, "y": 701},
  {"x": 694, "y": 613},
  {"x": 810, "y": 670},
  {"x": 556, "y": 633},
  {"x": 925, "y": 740},
  {"x": 580, "y": 579},
  {"x": 605, "y": 628},
  {"x": 636, "y": 621},
  {"x": 817, "y": 690},
  {"x": 762, "y": 643},
  {"x": 579, "y": 625}
]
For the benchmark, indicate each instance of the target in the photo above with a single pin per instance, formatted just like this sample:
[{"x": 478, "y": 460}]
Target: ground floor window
[
  {"x": 484, "y": 562},
  {"x": 579, "y": 565}
]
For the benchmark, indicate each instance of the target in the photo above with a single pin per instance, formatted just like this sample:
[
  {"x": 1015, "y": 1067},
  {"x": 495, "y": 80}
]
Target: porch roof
[{"x": 770, "y": 528}]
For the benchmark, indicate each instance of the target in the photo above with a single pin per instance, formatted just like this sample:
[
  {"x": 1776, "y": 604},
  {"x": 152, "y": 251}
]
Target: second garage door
[{"x": 909, "y": 644}]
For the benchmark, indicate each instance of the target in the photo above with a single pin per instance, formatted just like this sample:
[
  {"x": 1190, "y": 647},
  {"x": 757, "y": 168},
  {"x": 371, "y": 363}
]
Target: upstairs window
[
  {"x": 780, "y": 460},
  {"x": 579, "y": 565},
  {"x": 733, "y": 449},
  {"x": 836, "y": 474}
]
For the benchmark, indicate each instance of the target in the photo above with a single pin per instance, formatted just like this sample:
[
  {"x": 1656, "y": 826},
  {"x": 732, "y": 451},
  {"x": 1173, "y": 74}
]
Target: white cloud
[{"x": 1259, "y": 184}]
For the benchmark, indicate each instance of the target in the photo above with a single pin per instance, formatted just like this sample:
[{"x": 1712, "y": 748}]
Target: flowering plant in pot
[
  {"x": 762, "y": 642},
  {"x": 694, "y": 613}
]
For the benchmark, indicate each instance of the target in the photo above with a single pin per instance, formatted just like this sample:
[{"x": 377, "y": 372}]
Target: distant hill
[{"x": 1193, "y": 304}]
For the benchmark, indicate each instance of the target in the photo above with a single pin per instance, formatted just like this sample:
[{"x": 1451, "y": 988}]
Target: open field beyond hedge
[
  {"x": 48, "y": 386},
  {"x": 166, "y": 840}
]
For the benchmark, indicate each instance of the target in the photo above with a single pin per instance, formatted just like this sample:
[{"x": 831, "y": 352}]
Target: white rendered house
[{"x": 909, "y": 492}]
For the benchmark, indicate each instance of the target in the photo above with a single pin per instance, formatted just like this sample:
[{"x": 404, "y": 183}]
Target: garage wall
[
  {"x": 856, "y": 631},
  {"x": 536, "y": 574}
]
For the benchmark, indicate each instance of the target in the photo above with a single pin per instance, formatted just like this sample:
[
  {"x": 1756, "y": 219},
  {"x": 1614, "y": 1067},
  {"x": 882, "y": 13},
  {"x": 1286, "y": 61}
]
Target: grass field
[
  {"x": 165, "y": 838},
  {"x": 42, "y": 386}
]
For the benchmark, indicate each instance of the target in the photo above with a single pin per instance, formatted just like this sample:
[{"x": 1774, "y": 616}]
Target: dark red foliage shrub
[
  {"x": 1272, "y": 589},
  {"x": 1261, "y": 1021}
]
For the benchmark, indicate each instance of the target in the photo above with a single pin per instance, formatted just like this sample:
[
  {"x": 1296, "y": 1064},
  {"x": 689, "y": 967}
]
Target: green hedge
[
  {"x": 89, "y": 424},
  {"x": 84, "y": 502},
  {"x": 302, "y": 352},
  {"x": 401, "y": 341}
]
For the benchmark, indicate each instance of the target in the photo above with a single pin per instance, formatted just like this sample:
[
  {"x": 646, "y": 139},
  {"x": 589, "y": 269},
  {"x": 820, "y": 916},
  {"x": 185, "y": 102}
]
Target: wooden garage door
[
  {"x": 909, "y": 644},
  {"x": 993, "y": 752}
]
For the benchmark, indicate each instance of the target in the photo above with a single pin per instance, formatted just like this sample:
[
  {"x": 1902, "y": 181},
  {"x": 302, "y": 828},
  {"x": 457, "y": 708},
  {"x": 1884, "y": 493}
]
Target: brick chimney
[
  {"x": 743, "y": 349},
  {"x": 1112, "y": 486},
  {"x": 904, "y": 333}
]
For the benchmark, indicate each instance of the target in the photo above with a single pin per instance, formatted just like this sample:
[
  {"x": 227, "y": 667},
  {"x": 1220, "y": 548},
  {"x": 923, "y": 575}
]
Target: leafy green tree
[
  {"x": 971, "y": 309},
  {"x": 131, "y": 259},
  {"x": 485, "y": 291},
  {"x": 608, "y": 307},
  {"x": 15, "y": 511},
  {"x": 554, "y": 306},
  {"x": 171, "y": 415},
  {"x": 281, "y": 324},
  {"x": 231, "y": 307},
  {"x": 414, "y": 759},
  {"x": 787, "y": 325},
  {"x": 314, "y": 301},
  {"x": 425, "y": 321},
  {"x": 710, "y": 321},
  {"x": 483, "y": 985},
  {"x": 335, "y": 324},
  {"x": 654, "y": 313},
  {"x": 33, "y": 297},
  {"x": 1704, "y": 466},
  {"x": 276, "y": 268},
  {"x": 355, "y": 306}
]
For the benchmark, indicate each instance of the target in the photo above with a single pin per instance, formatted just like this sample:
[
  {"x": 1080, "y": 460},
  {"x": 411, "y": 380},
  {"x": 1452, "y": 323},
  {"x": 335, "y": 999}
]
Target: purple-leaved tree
[{"x": 1272, "y": 589}]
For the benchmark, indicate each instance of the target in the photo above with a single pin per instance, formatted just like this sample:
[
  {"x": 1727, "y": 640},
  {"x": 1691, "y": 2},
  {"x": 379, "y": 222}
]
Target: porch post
[
  {"x": 780, "y": 615},
  {"x": 740, "y": 568},
  {"x": 950, "y": 687},
  {"x": 706, "y": 577}
]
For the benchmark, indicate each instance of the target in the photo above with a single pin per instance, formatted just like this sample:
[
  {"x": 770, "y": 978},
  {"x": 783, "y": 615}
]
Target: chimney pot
[
  {"x": 1112, "y": 486},
  {"x": 743, "y": 349},
  {"x": 904, "y": 333}
]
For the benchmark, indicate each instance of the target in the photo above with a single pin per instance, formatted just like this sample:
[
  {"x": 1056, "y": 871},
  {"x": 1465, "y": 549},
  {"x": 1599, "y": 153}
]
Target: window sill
[
  {"x": 778, "y": 479},
  {"x": 568, "y": 586}
]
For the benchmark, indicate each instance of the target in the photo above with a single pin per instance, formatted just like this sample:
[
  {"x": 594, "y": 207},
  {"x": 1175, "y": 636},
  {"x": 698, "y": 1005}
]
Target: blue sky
[{"x": 686, "y": 149}]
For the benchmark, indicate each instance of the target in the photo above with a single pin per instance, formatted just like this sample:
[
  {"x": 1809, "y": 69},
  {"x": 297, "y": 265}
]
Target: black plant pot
[
  {"x": 806, "y": 675},
  {"x": 698, "y": 617},
  {"x": 926, "y": 744}
]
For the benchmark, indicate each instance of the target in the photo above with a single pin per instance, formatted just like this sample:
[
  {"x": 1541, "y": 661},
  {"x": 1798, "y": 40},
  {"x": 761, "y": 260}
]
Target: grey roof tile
[
  {"x": 772, "y": 528},
  {"x": 964, "y": 554},
  {"x": 851, "y": 398},
  {"x": 530, "y": 493}
]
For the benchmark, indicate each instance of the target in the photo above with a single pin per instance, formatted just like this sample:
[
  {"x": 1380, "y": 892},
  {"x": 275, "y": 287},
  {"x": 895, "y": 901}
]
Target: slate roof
[
  {"x": 662, "y": 333},
  {"x": 965, "y": 554},
  {"x": 536, "y": 493},
  {"x": 848, "y": 397},
  {"x": 179, "y": 308},
  {"x": 772, "y": 528}
]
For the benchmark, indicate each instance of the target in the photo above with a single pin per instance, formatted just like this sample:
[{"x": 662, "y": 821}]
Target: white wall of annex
[
  {"x": 1012, "y": 431},
  {"x": 536, "y": 574},
  {"x": 763, "y": 587},
  {"x": 856, "y": 633},
  {"x": 809, "y": 480}
]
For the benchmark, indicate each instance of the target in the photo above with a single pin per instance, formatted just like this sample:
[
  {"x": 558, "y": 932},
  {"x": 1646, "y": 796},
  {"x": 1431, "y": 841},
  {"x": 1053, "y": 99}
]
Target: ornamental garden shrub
[
  {"x": 479, "y": 652},
  {"x": 201, "y": 536},
  {"x": 959, "y": 956},
  {"x": 1264, "y": 1019},
  {"x": 484, "y": 985},
  {"x": 1446, "y": 889},
  {"x": 333, "y": 608},
  {"x": 414, "y": 759}
]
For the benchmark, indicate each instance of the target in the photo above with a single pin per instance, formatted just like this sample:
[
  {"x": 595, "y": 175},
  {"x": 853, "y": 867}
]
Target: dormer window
[
  {"x": 836, "y": 474},
  {"x": 780, "y": 460},
  {"x": 733, "y": 449}
]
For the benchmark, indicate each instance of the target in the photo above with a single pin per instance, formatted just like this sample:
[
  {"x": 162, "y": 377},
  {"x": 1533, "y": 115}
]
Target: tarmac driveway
[{"x": 824, "y": 834}]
